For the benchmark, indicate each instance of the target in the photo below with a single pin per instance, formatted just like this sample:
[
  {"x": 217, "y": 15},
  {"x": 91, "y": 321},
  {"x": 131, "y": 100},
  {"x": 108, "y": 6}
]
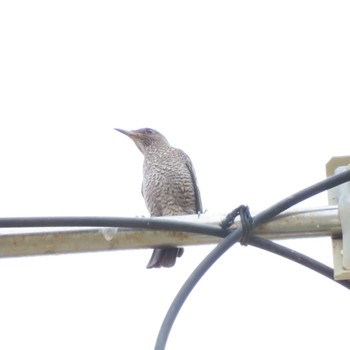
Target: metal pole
[{"x": 297, "y": 223}]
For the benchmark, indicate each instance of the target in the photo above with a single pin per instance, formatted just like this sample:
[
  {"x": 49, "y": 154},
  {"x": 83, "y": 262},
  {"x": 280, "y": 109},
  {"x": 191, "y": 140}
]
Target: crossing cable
[
  {"x": 231, "y": 237},
  {"x": 235, "y": 235}
]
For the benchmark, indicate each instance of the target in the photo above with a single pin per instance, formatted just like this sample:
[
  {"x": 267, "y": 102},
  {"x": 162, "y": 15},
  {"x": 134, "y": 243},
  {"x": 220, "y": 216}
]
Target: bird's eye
[{"x": 149, "y": 131}]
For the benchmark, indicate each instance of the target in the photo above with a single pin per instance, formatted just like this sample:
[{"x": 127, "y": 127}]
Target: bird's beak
[
  {"x": 126, "y": 132},
  {"x": 130, "y": 133},
  {"x": 134, "y": 135}
]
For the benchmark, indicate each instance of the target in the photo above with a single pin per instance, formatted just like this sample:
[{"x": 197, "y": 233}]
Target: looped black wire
[
  {"x": 246, "y": 222},
  {"x": 234, "y": 236}
]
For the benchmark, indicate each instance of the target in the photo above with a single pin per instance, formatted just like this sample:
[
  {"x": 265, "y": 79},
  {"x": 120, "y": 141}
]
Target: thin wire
[{"x": 230, "y": 240}]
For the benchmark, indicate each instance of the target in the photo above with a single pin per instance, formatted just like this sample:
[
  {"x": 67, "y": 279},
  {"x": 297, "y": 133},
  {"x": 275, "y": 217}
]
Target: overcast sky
[{"x": 256, "y": 92}]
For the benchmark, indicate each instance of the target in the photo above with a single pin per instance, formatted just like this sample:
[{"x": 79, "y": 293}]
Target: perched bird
[{"x": 169, "y": 185}]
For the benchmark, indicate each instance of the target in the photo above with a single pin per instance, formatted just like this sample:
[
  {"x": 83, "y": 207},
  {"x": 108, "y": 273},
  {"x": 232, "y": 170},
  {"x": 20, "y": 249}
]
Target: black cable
[
  {"x": 297, "y": 257},
  {"x": 230, "y": 240},
  {"x": 193, "y": 279},
  {"x": 300, "y": 196},
  {"x": 97, "y": 221},
  {"x": 161, "y": 224}
]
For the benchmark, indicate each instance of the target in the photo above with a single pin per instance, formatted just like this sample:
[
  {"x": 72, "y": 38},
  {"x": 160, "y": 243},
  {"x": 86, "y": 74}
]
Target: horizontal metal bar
[{"x": 297, "y": 223}]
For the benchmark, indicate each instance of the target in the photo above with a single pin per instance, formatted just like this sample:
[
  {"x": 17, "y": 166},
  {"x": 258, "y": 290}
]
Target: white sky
[{"x": 256, "y": 92}]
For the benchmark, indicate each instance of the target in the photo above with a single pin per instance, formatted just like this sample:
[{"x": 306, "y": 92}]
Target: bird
[{"x": 169, "y": 185}]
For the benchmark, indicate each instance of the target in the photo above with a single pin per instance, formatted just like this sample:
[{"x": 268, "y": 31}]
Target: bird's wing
[{"x": 190, "y": 168}]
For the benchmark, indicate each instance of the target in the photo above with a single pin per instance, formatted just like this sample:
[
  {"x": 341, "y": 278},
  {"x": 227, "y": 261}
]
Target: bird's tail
[{"x": 164, "y": 257}]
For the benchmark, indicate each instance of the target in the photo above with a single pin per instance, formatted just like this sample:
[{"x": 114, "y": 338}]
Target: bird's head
[{"x": 146, "y": 138}]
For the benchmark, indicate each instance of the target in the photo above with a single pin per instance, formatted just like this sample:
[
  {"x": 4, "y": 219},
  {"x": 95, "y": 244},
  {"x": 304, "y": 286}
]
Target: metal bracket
[{"x": 340, "y": 195}]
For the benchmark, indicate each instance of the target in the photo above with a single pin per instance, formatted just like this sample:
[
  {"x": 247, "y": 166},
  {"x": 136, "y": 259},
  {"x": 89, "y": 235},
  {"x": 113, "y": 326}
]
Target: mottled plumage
[{"x": 169, "y": 185}]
